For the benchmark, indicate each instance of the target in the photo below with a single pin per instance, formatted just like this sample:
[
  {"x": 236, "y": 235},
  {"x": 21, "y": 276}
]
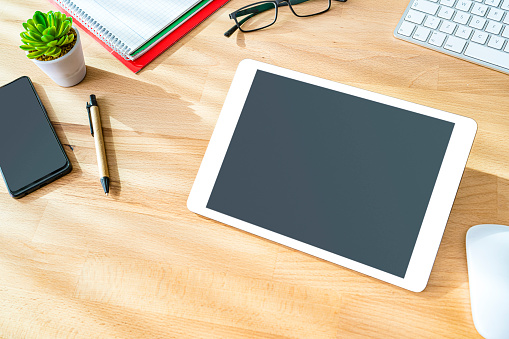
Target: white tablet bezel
[{"x": 439, "y": 207}]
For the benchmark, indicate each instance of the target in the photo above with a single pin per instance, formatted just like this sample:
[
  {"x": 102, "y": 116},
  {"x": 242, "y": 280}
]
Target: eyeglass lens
[
  {"x": 263, "y": 14},
  {"x": 256, "y": 16},
  {"x": 309, "y": 7}
]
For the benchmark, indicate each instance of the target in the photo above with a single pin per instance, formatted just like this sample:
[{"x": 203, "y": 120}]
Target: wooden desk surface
[{"x": 138, "y": 264}]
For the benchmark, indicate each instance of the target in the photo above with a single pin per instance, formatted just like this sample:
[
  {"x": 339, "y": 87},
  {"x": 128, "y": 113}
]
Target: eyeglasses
[{"x": 264, "y": 13}]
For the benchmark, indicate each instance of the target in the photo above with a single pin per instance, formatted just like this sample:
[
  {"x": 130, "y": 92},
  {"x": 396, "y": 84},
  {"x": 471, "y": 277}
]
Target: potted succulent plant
[{"x": 54, "y": 45}]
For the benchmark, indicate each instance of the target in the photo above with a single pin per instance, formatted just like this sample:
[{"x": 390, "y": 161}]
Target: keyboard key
[
  {"x": 477, "y": 22},
  {"x": 464, "y": 32},
  {"x": 421, "y": 33},
  {"x": 493, "y": 27},
  {"x": 455, "y": 44},
  {"x": 464, "y": 5},
  {"x": 437, "y": 39},
  {"x": 415, "y": 17},
  {"x": 493, "y": 3},
  {"x": 446, "y": 12},
  {"x": 425, "y": 6},
  {"x": 495, "y": 14},
  {"x": 447, "y": 27},
  {"x": 406, "y": 28},
  {"x": 480, "y": 9},
  {"x": 496, "y": 42},
  {"x": 480, "y": 37},
  {"x": 487, "y": 54},
  {"x": 449, "y": 3},
  {"x": 505, "y": 33},
  {"x": 461, "y": 17},
  {"x": 432, "y": 22},
  {"x": 473, "y": 30}
]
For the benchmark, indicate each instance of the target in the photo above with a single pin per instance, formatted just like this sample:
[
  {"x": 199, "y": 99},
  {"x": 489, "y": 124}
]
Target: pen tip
[{"x": 106, "y": 194}]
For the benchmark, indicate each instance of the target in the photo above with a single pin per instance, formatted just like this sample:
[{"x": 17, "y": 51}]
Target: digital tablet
[{"x": 360, "y": 179}]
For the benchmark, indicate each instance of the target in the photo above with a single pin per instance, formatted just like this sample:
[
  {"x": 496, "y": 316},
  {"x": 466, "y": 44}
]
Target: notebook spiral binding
[{"x": 93, "y": 26}]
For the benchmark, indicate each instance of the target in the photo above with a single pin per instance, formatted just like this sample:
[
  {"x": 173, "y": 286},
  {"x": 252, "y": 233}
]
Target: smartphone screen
[{"x": 30, "y": 152}]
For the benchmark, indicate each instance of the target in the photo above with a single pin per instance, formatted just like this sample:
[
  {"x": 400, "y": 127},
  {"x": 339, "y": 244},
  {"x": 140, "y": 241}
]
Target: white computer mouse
[{"x": 488, "y": 276}]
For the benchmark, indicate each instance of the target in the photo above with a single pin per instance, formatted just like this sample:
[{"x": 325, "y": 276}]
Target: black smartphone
[{"x": 31, "y": 155}]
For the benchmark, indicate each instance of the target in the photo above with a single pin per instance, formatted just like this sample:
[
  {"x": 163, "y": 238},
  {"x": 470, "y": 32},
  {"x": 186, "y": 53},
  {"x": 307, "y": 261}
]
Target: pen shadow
[
  {"x": 121, "y": 101},
  {"x": 68, "y": 149}
]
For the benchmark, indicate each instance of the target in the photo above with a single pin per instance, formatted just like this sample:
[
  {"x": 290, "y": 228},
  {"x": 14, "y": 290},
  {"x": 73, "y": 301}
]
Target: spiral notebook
[
  {"x": 158, "y": 44},
  {"x": 130, "y": 28}
]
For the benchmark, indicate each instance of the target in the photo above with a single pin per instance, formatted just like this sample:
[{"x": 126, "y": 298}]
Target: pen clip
[{"x": 90, "y": 119}]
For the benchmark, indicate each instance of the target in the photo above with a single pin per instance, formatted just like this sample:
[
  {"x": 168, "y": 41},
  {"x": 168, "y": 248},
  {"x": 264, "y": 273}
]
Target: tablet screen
[{"x": 347, "y": 175}]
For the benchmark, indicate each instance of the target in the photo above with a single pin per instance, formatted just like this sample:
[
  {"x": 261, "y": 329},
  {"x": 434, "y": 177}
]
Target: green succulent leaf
[
  {"x": 58, "y": 21},
  {"x": 50, "y": 51},
  {"x": 32, "y": 25},
  {"x": 45, "y": 33},
  {"x": 55, "y": 51},
  {"x": 52, "y": 31},
  {"x": 35, "y": 54},
  {"x": 66, "y": 26},
  {"x": 51, "y": 19},
  {"x": 70, "y": 38},
  {"x": 47, "y": 38},
  {"x": 38, "y": 44},
  {"x": 24, "y": 35},
  {"x": 34, "y": 35},
  {"x": 61, "y": 41},
  {"x": 28, "y": 42},
  {"x": 40, "y": 19}
]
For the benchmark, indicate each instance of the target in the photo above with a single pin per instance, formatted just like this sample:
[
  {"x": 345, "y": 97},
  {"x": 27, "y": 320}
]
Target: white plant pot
[{"x": 68, "y": 70}]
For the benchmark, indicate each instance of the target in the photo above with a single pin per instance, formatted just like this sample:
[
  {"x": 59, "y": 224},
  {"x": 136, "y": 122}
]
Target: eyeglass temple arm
[{"x": 232, "y": 30}]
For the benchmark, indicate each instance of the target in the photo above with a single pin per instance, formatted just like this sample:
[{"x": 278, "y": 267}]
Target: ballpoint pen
[{"x": 94, "y": 120}]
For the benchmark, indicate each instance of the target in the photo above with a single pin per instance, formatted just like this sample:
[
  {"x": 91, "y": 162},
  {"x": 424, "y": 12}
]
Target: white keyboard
[{"x": 476, "y": 31}]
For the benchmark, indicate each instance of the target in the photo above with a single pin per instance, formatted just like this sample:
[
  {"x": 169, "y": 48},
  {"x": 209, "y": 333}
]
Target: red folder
[{"x": 161, "y": 46}]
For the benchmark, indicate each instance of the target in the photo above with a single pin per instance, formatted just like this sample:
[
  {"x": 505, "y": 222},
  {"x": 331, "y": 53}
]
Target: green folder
[{"x": 174, "y": 24}]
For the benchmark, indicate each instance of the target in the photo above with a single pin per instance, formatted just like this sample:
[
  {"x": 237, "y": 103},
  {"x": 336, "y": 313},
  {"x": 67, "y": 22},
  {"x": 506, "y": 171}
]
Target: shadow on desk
[
  {"x": 140, "y": 277},
  {"x": 161, "y": 59}
]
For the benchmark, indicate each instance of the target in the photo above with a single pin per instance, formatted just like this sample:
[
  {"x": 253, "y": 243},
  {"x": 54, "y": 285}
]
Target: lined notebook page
[{"x": 131, "y": 22}]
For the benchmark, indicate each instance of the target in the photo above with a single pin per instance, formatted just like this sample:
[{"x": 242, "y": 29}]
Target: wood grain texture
[{"x": 138, "y": 264}]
